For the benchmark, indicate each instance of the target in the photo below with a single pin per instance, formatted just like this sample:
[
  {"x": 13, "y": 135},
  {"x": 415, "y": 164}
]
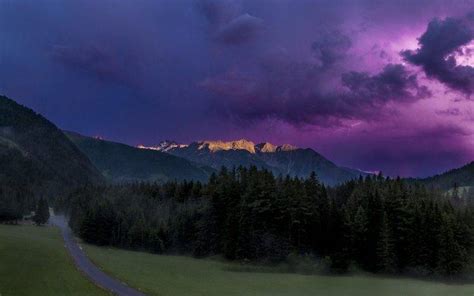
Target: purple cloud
[
  {"x": 294, "y": 93},
  {"x": 240, "y": 30},
  {"x": 219, "y": 12},
  {"x": 394, "y": 83},
  {"x": 438, "y": 46},
  {"x": 331, "y": 47},
  {"x": 449, "y": 112},
  {"x": 229, "y": 24},
  {"x": 92, "y": 60}
]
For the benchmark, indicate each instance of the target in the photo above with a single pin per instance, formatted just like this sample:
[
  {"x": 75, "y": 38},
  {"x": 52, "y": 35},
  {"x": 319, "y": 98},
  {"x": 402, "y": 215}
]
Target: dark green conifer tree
[
  {"x": 385, "y": 248},
  {"x": 42, "y": 212}
]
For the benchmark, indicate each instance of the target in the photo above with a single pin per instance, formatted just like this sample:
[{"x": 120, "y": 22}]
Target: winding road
[{"x": 84, "y": 264}]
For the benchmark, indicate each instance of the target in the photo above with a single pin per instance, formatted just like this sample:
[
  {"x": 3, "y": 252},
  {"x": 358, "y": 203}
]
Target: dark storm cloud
[
  {"x": 331, "y": 47},
  {"x": 438, "y": 46},
  {"x": 294, "y": 93},
  {"x": 241, "y": 29},
  {"x": 219, "y": 12},
  {"x": 394, "y": 83},
  {"x": 449, "y": 112},
  {"x": 100, "y": 62},
  {"x": 229, "y": 23}
]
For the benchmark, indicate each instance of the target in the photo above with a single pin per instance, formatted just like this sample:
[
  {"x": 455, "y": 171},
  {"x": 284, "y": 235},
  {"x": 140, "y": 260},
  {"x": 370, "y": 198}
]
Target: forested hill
[
  {"x": 122, "y": 163},
  {"x": 460, "y": 177},
  {"x": 35, "y": 156}
]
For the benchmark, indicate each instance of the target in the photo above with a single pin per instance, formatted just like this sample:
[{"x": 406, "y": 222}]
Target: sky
[{"x": 370, "y": 84}]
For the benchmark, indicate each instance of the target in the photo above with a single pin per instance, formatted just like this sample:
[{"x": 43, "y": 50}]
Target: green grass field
[
  {"x": 33, "y": 261},
  {"x": 175, "y": 276}
]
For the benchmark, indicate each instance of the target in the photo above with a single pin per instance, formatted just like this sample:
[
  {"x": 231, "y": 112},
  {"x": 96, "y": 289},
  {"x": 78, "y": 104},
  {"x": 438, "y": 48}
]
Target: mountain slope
[
  {"x": 284, "y": 160},
  {"x": 463, "y": 176},
  {"x": 36, "y": 155},
  {"x": 301, "y": 162},
  {"x": 122, "y": 163}
]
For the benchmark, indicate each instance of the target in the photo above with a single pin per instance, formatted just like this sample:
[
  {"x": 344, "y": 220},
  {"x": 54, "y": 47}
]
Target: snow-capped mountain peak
[{"x": 163, "y": 146}]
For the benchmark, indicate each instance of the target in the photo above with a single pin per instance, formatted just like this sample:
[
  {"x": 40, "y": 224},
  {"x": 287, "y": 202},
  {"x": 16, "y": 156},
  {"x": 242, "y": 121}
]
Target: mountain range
[
  {"x": 281, "y": 160},
  {"x": 196, "y": 161},
  {"x": 34, "y": 153}
]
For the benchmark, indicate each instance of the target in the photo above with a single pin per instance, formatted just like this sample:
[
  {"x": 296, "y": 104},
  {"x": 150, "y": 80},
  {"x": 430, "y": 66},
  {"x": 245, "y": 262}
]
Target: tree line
[
  {"x": 377, "y": 224},
  {"x": 18, "y": 203}
]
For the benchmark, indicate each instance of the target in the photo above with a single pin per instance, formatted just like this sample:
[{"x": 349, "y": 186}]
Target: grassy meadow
[
  {"x": 177, "y": 275},
  {"x": 33, "y": 261}
]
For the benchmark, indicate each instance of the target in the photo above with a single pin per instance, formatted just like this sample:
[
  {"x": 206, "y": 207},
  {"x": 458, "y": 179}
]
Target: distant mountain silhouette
[
  {"x": 285, "y": 159},
  {"x": 461, "y": 177}
]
